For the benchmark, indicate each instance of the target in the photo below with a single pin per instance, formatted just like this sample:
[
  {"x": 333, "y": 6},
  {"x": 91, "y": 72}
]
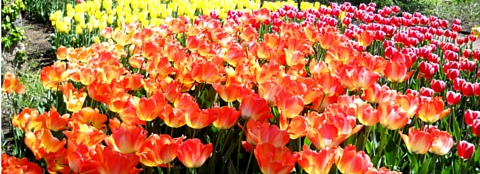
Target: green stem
[
  {"x": 226, "y": 138},
  {"x": 249, "y": 160},
  {"x": 194, "y": 132},
  {"x": 380, "y": 147},
  {"x": 363, "y": 139}
]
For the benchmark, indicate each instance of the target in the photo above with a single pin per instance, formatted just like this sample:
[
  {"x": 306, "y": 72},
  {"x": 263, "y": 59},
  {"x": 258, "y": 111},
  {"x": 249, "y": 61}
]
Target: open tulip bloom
[{"x": 216, "y": 87}]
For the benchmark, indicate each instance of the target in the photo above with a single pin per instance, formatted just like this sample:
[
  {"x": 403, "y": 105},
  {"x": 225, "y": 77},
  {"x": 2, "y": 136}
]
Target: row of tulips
[{"x": 315, "y": 91}]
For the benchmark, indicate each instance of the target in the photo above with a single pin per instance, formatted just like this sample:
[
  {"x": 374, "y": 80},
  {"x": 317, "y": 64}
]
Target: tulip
[
  {"x": 91, "y": 117},
  {"x": 465, "y": 149},
  {"x": 228, "y": 117},
  {"x": 316, "y": 162},
  {"x": 432, "y": 110},
  {"x": 12, "y": 84},
  {"x": 11, "y": 164},
  {"x": 442, "y": 142},
  {"x": 54, "y": 121},
  {"x": 476, "y": 127},
  {"x": 417, "y": 141},
  {"x": 351, "y": 161},
  {"x": 254, "y": 107},
  {"x": 437, "y": 85},
  {"x": 273, "y": 159},
  {"x": 43, "y": 144},
  {"x": 289, "y": 105},
  {"x": 470, "y": 116},
  {"x": 126, "y": 140},
  {"x": 192, "y": 153},
  {"x": 391, "y": 116},
  {"x": 453, "y": 98},
  {"x": 159, "y": 150},
  {"x": 259, "y": 132}
]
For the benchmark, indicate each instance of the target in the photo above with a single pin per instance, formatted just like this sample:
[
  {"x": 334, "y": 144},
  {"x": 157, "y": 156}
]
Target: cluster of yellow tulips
[{"x": 84, "y": 20}]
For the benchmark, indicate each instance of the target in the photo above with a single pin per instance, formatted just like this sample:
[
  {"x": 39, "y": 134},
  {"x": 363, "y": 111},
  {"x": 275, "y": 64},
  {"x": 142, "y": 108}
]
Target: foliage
[
  {"x": 11, "y": 33},
  {"x": 467, "y": 11}
]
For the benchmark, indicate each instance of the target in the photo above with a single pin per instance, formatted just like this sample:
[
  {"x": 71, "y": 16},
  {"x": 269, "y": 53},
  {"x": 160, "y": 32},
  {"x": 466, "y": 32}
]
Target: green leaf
[
  {"x": 425, "y": 166},
  {"x": 447, "y": 170},
  {"x": 369, "y": 147},
  {"x": 307, "y": 142},
  {"x": 456, "y": 129}
]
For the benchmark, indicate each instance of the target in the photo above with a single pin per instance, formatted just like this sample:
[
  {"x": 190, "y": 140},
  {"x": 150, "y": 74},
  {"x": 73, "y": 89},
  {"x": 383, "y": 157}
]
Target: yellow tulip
[
  {"x": 78, "y": 29},
  {"x": 110, "y": 19},
  {"x": 96, "y": 39}
]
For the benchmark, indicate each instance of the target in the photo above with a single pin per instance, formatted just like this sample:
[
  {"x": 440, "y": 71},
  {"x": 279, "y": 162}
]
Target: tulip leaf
[
  {"x": 456, "y": 129},
  {"x": 230, "y": 150},
  {"x": 425, "y": 166},
  {"x": 369, "y": 147},
  {"x": 307, "y": 142},
  {"x": 476, "y": 158},
  {"x": 448, "y": 170}
]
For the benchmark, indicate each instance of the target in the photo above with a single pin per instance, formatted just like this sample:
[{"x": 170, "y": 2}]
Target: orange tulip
[
  {"x": 366, "y": 114},
  {"x": 364, "y": 78},
  {"x": 228, "y": 117},
  {"x": 397, "y": 71},
  {"x": 118, "y": 100},
  {"x": 126, "y": 140},
  {"x": 229, "y": 93},
  {"x": 99, "y": 91},
  {"x": 339, "y": 53},
  {"x": 330, "y": 84},
  {"x": 417, "y": 141},
  {"x": 12, "y": 84},
  {"x": 258, "y": 132},
  {"x": 289, "y": 105},
  {"x": 296, "y": 128},
  {"x": 90, "y": 116},
  {"x": 150, "y": 108},
  {"x": 432, "y": 109},
  {"x": 159, "y": 150},
  {"x": 11, "y": 164},
  {"x": 84, "y": 133},
  {"x": 329, "y": 39},
  {"x": 442, "y": 142},
  {"x": 374, "y": 93},
  {"x": 200, "y": 118},
  {"x": 278, "y": 160},
  {"x": 206, "y": 72},
  {"x": 254, "y": 107},
  {"x": 331, "y": 132},
  {"x": 316, "y": 162},
  {"x": 43, "y": 144},
  {"x": 409, "y": 103},
  {"x": 351, "y": 161},
  {"x": 73, "y": 98},
  {"x": 192, "y": 153},
  {"x": 365, "y": 38},
  {"x": 51, "y": 76},
  {"x": 54, "y": 121},
  {"x": 117, "y": 162},
  {"x": 29, "y": 120},
  {"x": 269, "y": 90},
  {"x": 392, "y": 116}
]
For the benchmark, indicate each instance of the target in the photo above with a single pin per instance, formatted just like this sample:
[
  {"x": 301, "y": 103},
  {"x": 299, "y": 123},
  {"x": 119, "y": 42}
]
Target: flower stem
[{"x": 249, "y": 160}]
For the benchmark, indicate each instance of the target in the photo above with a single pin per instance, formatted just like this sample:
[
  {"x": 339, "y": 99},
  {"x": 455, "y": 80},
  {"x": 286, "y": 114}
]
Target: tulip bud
[
  {"x": 465, "y": 149},
  {"x": 470, "y": 116},
  {"x": 458, "y": 84},
  {"x": 467, "y": 89},
  {"x": 437, "y": 85},
  {"x": 476, "y": 127},
  {"x": 426, "y": 92},
  {"x": 453, "y": 98}
]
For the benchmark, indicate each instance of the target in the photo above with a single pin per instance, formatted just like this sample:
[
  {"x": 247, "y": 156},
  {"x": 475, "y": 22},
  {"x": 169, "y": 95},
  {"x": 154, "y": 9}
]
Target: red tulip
[
  {"x": 437, "y": 85},
  {"x": 465, "y": 149},
  {"x": 453, "y": 98},
  {"x": 254, "y": 107},
  {"x": 417, "y": 141},
  {"x": 316, "y": 162},
  {"x": 476, "y": 127},
  {"x": 470, "y": 116}
]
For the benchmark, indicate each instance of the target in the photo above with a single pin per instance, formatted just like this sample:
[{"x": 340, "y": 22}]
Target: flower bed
[{"x": 275, "y": 90}]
